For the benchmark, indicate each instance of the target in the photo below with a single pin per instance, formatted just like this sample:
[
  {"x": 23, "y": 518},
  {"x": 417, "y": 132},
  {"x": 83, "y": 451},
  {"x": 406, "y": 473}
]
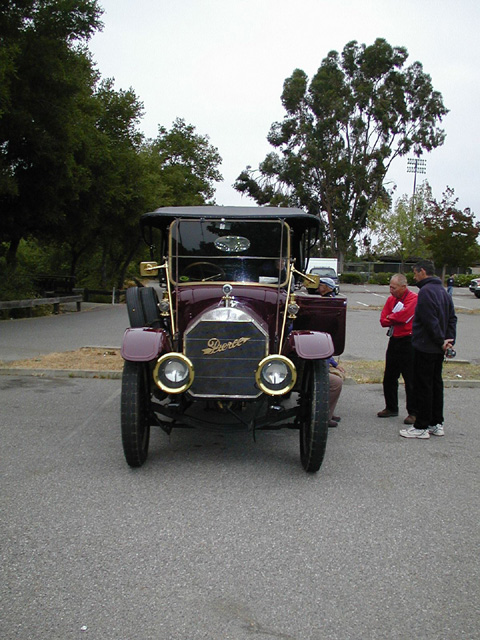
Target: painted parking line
[
  {"x": 379, "y": 295},
  {"x": 362, "y": 303}
]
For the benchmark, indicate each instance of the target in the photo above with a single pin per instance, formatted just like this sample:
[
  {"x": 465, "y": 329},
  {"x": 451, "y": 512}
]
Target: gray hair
[{"x": 400, "y": 278}]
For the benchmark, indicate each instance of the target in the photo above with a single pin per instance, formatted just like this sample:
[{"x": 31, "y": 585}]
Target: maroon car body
[{"x": 228, "y": 336}]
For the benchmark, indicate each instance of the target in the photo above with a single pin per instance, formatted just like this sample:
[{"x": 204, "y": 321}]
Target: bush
[
  {"x": 15, "y": 284},
  {"x": 410, "y": 279},
  {"x": 463, "y": 279},
  {"x": 351, "y": 277},
  {"x": 383, "y": 277}
]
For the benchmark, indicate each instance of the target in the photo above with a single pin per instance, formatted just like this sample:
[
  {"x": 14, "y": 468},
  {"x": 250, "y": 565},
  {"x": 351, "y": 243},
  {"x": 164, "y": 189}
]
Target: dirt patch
[
  {"x": 97, "y": 359},
  {"x": 86, "y": 358}
]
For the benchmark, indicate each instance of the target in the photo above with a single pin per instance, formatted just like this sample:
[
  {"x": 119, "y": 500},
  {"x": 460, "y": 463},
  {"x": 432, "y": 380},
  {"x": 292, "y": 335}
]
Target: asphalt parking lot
[{"x": 219, "y": 537}]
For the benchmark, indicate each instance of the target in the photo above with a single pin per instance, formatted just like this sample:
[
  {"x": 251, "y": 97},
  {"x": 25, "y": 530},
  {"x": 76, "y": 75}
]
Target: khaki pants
[{"x": 336, "y": 383}]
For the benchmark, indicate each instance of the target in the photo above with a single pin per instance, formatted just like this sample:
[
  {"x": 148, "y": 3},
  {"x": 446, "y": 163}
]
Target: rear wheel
[
  {"x": 477, "y": 293},
  {"x": 135, "y": 412},
  {"x": 314, "y": 414},
  {"x": 134, "y": 307}
]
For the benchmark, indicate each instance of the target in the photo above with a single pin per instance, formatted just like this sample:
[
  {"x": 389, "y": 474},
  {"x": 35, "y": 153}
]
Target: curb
[
  {"x": 61, "y": 373},
  {"x": 466, "y": 384},
  {"x": 469, "y": 384}
]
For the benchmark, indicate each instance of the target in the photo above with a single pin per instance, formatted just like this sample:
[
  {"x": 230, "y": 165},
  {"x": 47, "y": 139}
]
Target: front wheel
[
  {"x": 314, "y": 400},
  {"x": 135, "y": 412}
]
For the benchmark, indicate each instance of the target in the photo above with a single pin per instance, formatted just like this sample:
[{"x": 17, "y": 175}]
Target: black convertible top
[{"x": 296, "y": 218}]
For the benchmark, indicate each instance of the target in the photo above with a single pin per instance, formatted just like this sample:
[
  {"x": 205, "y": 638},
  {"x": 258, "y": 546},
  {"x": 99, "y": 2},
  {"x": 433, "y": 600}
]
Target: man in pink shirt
[{"x": 397, "y": 315}]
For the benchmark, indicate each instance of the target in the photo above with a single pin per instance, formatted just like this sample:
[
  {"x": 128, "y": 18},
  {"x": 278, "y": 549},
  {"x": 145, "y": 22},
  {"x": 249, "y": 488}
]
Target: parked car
[
  {"x": 327, "y": 272},
  {"x": 227, "y": 337},
  {"x": 475, "y": 286}
]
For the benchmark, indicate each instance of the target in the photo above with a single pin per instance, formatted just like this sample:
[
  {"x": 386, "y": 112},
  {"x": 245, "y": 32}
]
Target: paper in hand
[{"x": 398, "y": 307}]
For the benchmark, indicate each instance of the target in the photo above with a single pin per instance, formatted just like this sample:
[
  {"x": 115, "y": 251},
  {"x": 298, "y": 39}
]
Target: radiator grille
[{"x": 225, "y": 346}]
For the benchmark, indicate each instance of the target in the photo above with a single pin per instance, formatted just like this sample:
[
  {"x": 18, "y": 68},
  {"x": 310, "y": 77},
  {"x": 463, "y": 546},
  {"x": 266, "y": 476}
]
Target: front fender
[
  {"x": 143, "y": 345},
  {"x": 309, "y": 345}
]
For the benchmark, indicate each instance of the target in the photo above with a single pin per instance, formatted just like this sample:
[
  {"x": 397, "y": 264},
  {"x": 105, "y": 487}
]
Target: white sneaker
[
  {"x": 411, "y": 432},
  {"x": 437, "y": 430}
]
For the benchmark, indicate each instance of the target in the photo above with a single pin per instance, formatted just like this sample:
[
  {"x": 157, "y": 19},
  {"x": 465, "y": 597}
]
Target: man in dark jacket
[{"x": 433, "y": 332}]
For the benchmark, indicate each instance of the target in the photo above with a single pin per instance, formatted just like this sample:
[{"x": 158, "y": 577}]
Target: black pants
[
  {"x": 399, "y": 361},
  {"x": 428, "y": 383}
]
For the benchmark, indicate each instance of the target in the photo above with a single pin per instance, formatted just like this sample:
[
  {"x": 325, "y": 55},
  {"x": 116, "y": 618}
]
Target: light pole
[{"x": 416, "y": 165}]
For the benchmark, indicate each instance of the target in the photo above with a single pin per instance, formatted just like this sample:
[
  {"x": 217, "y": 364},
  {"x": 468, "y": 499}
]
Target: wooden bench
[
  {"x": 37, "y": 302},
  {"x": 54, "y": 285}
]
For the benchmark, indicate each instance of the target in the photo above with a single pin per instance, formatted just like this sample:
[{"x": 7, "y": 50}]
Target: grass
[{"x": 371, "y": 371}]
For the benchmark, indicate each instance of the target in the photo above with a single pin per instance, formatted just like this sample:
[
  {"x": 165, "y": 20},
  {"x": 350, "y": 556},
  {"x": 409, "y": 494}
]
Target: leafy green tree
[
  {"x": 187, "y": 164},
  {"x": 179, "y": 167},
  {"x": 341, "y": 132},
  {"x": 451, "y": 234},
  {"x": 110, "y": 168},
  {"x": 47, "y": 77},
  {"x": 131, "y": 176},
  {"x": 399, "y": 229}
]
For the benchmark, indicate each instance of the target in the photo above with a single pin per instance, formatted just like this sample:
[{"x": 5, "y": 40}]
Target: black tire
[
  {"x": 135, "y": 412},
  {"x": 149, "y": 300},
  {"x": 477, "y": 293},
  {"x": 314, "y": 417},
  {"x": 134, "y": 307}
]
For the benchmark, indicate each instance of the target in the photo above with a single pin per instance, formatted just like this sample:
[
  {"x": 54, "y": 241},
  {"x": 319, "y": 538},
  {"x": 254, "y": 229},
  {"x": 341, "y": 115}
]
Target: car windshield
[
  {"x": 324, "y": 272},
  {"x": 229, "y": 251}
]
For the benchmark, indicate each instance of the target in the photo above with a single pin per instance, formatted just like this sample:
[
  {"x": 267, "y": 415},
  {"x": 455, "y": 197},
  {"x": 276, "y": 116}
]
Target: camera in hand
[{"x": 450, "y": 352}]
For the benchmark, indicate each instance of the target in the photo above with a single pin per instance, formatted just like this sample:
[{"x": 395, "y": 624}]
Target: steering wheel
[{"x": 202, "y": 269}]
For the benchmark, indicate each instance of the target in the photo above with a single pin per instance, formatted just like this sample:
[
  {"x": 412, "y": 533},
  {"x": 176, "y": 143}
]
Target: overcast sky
[{"x": 221, "y": 64}]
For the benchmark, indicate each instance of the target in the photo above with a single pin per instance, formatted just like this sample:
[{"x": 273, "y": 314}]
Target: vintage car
[
  {"x": 474, "y": 287},
  {"x": 227, "y": 337}
]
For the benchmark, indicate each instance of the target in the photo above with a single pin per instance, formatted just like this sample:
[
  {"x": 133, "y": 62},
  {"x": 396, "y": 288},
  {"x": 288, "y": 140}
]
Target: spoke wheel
[
  {"x": 314, "y": 414},
  {"x": 134, "y": 413}
]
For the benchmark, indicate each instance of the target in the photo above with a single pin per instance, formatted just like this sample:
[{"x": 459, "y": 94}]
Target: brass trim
[
  {"x": 280, "y": 344},
  {"x": 149, "y": 268},
  {"x": 167, "y": 278},
  {"x": 215, "y": 346},
  {"x": 283, "y": 390},
  {"x": 178, "y": 356}
]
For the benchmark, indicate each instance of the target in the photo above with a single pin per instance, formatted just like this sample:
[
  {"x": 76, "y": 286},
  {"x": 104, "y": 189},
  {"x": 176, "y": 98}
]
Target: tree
[
  {"x": 451, "y": 234},
  {"x": 341, "y": 132},
  {"x": 47, "y": 77},
  {"x": 132, "y": 176},
  {"x": 399, "y": 229},
  {"x": 187, "y": 164},
  {"x": 108, "y": 161}
]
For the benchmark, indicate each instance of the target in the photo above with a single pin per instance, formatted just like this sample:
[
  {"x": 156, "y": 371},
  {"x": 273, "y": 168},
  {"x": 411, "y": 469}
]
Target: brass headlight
[
  {"x": 173, "y": 373},
  {"x": 276, "y": 375}
]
